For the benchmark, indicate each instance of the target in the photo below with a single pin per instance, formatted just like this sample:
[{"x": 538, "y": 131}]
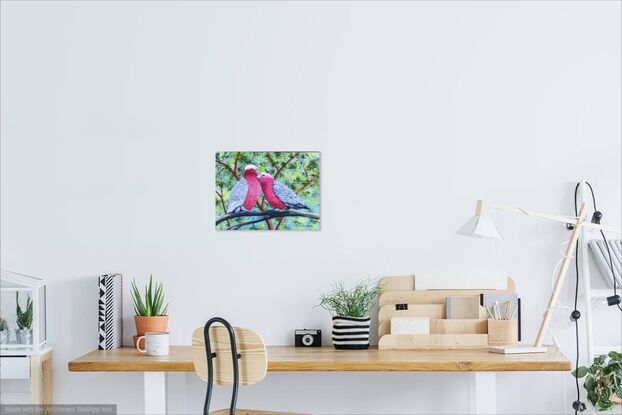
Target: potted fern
[
  {"x": 23, "y": 333},
  {"x": 150, "y": 309},
  {"x": 603, "y": 380},
  {"x": 4, "y": 331},
  {"x": 350, "y": 311}
]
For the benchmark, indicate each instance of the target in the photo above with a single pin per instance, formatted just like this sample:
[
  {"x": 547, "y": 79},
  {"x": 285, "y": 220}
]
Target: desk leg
[
  {"x": 155, "y": 393},
  {"x": 41, "y": 379},
  {"x": 482, "y": 393}
]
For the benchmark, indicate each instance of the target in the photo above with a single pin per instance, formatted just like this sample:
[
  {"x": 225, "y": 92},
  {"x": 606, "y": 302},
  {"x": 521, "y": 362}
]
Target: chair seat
[{"x": 239, "y": 411}]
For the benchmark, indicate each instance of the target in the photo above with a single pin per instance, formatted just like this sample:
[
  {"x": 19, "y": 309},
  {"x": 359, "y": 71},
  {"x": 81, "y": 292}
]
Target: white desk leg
[
  {"x": 155, "y": 393},
  {"x": 482, "y": 393}
]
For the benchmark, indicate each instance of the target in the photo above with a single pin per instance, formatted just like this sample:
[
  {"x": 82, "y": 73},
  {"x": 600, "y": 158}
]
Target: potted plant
[
  {"x": 23, "y": 333},
  {"x": 4, "y": 331},
  {"x": 603, "y": 380},
  {"x": 150, "y": 309},
  {"x": 350, "y": 309}
]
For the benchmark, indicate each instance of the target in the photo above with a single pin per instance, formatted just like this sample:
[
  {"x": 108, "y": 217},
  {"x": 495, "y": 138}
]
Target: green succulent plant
[
  {"x": 24, "y": 317},
  {"x": 603, "y": 380},
  {"x": 3, "y": 324},
  {"x": 351, "y": 303},
  {"x": 152, "y": 304}
]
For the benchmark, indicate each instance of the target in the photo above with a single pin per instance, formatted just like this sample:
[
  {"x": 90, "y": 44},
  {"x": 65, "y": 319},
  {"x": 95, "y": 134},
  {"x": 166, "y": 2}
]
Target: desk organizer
[
  {"x": 400, "y": 298},
  {"x": 502, "y": 332}
]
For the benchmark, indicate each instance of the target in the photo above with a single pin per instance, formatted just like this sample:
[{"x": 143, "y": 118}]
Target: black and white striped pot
[{"x": 351, "y": 332}]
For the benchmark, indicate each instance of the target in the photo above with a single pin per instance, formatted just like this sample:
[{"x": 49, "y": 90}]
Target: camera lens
[{"x": 307, "y": 340}]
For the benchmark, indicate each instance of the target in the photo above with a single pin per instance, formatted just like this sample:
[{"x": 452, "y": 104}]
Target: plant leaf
[
  {"x": 604, "y": 404},
  {"x": 579, "y": 372},
  {"x": 615, "y": 355},
  {"x": 593, "y": 398},
  {"x": 139, "y": 306}
]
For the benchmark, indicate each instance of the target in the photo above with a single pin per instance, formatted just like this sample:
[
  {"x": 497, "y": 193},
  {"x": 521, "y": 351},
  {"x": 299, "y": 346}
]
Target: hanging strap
[{"x": 210, "y": 367}]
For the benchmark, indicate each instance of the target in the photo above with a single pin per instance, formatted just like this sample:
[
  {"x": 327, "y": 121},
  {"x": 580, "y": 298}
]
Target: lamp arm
[
  {"x": 557, "y": 218},
  {"x": 528, "y": 212}
]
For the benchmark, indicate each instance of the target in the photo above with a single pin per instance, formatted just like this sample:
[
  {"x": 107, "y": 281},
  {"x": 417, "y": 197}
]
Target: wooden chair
[{"x": 229, "y": 356}]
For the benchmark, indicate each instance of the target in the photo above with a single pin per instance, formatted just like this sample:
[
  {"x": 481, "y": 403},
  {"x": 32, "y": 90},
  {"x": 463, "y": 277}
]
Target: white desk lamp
[{"x": 482, "y": 226}]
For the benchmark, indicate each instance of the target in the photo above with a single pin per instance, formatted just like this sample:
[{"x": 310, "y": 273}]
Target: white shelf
[
  {"x": 25, "y": 352},
  {"x": 603, "y": 293}
]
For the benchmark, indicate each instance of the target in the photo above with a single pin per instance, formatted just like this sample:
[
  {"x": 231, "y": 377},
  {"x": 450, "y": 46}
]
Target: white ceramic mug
[{"x": 156, "y": 343}]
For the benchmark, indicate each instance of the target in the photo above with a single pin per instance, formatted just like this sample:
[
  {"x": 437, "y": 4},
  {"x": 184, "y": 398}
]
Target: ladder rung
[{"x": 603, "y": 293}]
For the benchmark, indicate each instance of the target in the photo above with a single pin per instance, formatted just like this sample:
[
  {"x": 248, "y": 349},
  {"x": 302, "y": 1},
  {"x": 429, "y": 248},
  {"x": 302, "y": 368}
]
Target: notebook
[{"x": 462, "y": 307}]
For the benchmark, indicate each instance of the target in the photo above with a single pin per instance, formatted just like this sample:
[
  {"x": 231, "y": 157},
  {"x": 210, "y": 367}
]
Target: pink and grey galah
[
  {"x": 278, "y": 195},
  {"x": 245, "y": 192}
]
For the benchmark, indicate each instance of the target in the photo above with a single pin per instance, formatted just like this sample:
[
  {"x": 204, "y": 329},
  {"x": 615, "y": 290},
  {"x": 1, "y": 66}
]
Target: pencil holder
[{"x": 501, "y": 332}]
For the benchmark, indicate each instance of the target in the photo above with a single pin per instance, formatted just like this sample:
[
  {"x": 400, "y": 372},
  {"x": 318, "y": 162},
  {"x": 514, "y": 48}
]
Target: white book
[{"x": 410, "y": 325}]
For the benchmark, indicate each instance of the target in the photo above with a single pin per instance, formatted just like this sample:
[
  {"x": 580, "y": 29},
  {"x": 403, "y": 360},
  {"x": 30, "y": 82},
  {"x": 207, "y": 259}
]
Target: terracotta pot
[{"x": 146, "y": 323}]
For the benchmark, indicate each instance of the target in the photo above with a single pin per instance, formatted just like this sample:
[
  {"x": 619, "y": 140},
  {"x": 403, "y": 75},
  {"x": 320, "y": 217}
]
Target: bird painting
[
  {"x": 278, "y": 195},
  {"x": 245, "y": 193},
  {"x": 267, "y": 190}
]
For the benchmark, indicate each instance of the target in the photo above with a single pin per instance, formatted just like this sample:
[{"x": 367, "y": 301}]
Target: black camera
[{"x": 308, "y": 338}]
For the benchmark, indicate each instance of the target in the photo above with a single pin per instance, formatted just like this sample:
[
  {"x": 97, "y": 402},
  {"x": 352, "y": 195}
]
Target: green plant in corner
[
  {"x": 603, "y": 380},
  {"x": 24, "y": 318},
  {"x": 351, "y": 303},
  {"x": 152, "y": 304},
  {"x": 3, "y": 324}
]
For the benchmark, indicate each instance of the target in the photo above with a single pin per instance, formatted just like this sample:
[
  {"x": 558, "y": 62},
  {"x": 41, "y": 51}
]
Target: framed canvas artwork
[{"x": 267, "y": 190}]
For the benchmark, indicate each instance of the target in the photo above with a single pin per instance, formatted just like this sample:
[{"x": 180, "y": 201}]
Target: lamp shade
[{"x": 480, "y": 227}]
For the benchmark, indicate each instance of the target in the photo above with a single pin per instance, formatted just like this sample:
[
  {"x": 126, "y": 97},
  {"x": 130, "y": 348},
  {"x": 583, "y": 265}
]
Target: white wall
[{"x": 112, "y": 112}]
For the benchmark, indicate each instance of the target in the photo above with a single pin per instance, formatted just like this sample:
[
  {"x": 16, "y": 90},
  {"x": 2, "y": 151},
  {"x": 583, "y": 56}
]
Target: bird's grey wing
[
  {"x": 288, "y": 196},
  {"x": 237, "y": 197}
]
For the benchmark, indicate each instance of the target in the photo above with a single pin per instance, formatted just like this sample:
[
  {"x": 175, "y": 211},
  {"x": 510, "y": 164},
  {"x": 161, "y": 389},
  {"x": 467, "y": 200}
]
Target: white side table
[{"x": 35, "y": 366}]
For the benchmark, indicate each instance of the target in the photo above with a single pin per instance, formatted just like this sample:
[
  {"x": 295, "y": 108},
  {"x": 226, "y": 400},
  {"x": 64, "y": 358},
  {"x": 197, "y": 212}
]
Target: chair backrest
[{"x": 253, "y": 360}]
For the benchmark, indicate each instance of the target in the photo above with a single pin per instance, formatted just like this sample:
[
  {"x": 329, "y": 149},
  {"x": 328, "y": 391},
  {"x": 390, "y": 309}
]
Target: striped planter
[{"x": 351, "y": 332}]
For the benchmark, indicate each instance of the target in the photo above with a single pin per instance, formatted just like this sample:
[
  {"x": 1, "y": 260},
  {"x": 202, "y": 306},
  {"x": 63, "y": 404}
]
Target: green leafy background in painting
[{"x": 298, "y": 170}]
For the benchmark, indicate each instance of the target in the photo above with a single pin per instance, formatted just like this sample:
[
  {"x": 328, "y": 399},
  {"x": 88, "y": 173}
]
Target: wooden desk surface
[{"x": 325, "y": 359}]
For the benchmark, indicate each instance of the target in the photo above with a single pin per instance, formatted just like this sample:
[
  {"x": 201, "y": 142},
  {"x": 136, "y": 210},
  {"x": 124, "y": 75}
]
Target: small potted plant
[
  {"x": 23, "y": 333},
  {"x": 150, "y": 309},
  {"x": 603, "y": 381},
  {"x": 350, "y": 311},
  {"x": 4, "y": 331}
]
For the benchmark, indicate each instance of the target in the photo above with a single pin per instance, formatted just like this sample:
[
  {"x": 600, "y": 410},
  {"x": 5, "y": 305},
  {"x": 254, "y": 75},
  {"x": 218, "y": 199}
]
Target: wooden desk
[{"x": 480, "y": 364}]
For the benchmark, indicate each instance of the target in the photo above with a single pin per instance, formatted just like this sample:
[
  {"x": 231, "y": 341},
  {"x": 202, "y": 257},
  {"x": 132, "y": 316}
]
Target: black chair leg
[{"x": 210, "y": 367}]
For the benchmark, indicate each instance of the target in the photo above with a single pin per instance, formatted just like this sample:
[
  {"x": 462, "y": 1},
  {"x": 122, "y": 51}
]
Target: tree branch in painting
[{"x": 267, "y": 214}]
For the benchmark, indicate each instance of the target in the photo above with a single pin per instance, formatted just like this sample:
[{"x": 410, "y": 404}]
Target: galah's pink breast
[
  {"x": 252, "y": 194},
  {"x": 270, "y": 196}
]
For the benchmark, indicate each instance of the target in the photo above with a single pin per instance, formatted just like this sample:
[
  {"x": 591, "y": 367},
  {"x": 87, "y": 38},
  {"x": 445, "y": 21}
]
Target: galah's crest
[
  {"x": 245, "y": 192},
  {"x": 278, "y": 195}
]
